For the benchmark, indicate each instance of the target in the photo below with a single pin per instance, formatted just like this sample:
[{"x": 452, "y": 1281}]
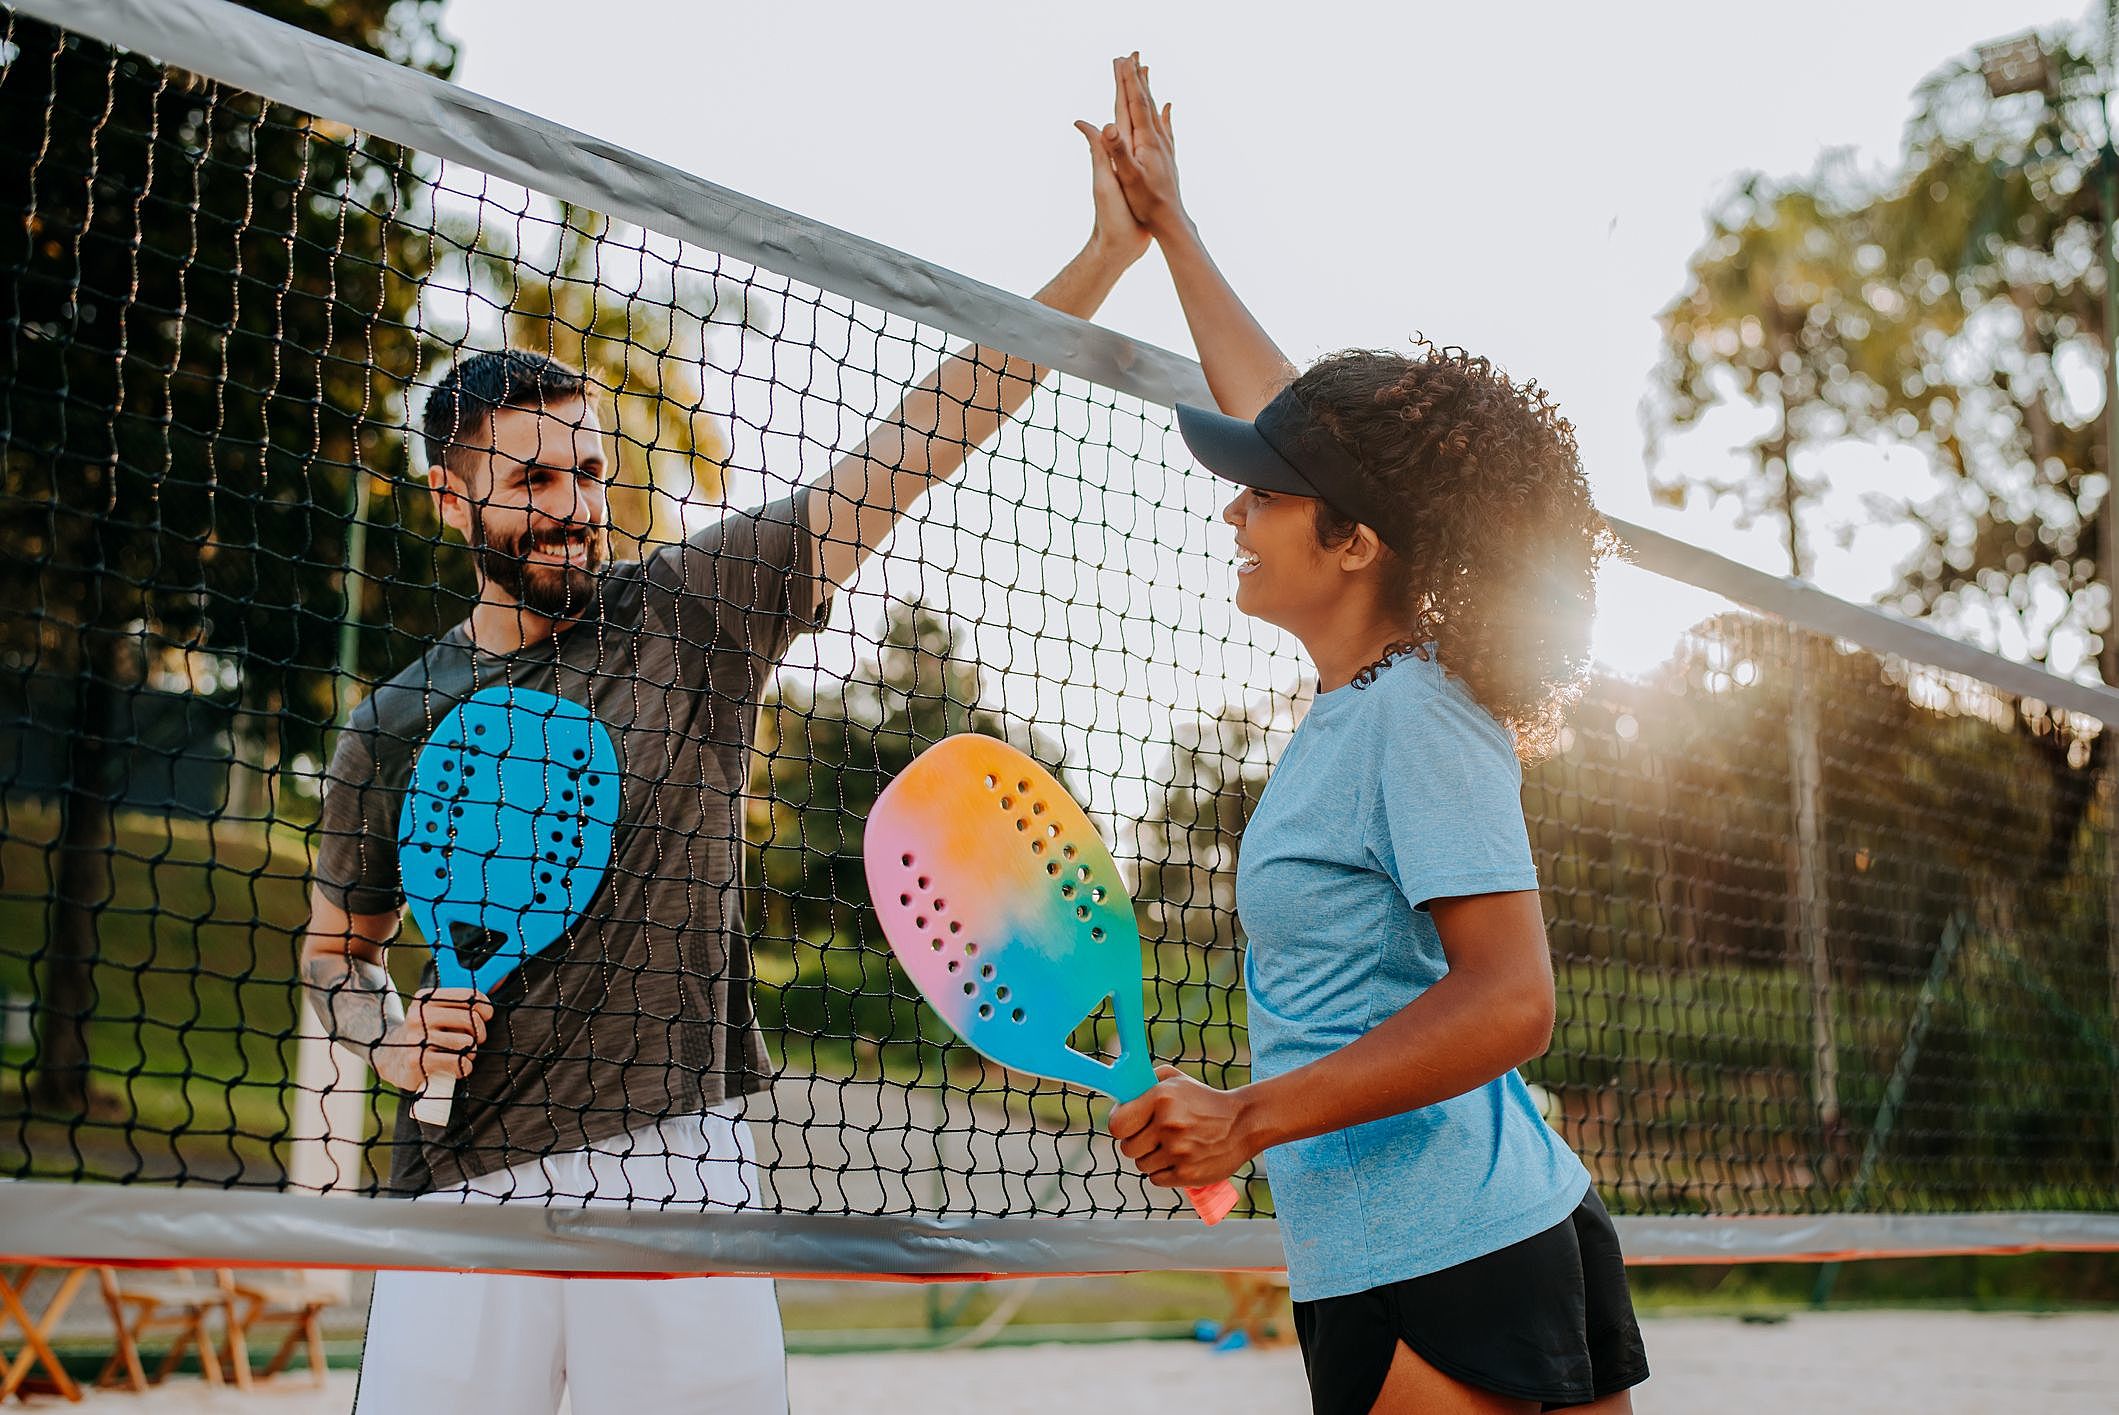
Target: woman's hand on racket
[
  {"x": 1184, "y": 1133},
  {"x": 440, "y": 1036}
]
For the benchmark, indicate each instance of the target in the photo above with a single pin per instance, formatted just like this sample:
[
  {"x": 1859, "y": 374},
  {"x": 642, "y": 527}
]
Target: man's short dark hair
[{"x": 462, "y": 405}]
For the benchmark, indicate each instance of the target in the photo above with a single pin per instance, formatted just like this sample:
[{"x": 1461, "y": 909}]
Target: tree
[
  {"x": 206, "y": 295},
  {"x": 1190, "y": 839},
  {"x": 1953, "y": 305}
]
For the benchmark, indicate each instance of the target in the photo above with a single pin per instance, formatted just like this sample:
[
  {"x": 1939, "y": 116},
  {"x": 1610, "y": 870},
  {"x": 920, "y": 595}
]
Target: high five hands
[{"x": 1137, "y": 155}]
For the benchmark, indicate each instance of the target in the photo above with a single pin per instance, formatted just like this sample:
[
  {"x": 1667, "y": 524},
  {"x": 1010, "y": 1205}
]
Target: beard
[{"x": 555, "y": 591}]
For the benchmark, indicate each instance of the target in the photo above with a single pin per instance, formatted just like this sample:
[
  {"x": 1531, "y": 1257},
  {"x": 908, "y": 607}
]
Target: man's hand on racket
[
  {"x": 1184, "y": 1133},
  {"x": 440, "y": 1036},
  {"x": 1143, "y": 152}
]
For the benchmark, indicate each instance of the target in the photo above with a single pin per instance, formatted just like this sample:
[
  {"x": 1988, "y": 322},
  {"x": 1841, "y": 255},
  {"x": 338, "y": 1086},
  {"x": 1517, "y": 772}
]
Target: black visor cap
[{"x": 1235, "y": 450}]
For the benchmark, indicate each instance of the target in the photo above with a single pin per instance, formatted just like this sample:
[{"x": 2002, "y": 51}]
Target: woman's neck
[{"x": 1342, "y": 651}]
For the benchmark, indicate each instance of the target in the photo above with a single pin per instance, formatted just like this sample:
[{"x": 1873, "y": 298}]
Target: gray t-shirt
[{"x": 643, "y": 1009}]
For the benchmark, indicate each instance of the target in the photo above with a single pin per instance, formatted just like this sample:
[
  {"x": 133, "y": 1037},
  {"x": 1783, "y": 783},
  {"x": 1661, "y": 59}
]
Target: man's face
[{"x": 531, "y": 501}]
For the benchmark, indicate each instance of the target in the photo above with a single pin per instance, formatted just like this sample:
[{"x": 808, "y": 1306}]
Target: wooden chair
[
  {"x": 142, "y": 1302},
  {"x": 295, "y": 1299}
]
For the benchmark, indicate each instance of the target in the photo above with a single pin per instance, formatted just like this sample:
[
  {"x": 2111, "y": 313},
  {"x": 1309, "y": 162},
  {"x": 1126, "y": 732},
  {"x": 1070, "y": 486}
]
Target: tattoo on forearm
[{"x": 354, "y": 1000}]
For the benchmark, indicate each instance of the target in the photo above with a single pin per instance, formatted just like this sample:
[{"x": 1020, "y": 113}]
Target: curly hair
[{"x": 1483, "y": 481}]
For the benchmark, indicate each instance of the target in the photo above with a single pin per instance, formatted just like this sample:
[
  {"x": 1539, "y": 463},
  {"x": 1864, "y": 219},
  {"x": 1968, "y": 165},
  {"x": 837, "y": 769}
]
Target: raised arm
[
  {"x": 351, "y": 991},
  {"x": 1244, "y": 367},
  {"x": 963, "y": 402}
]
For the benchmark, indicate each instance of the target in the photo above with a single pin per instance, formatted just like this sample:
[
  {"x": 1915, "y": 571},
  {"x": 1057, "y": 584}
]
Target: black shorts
[{"x": 1548, "y": 1319}]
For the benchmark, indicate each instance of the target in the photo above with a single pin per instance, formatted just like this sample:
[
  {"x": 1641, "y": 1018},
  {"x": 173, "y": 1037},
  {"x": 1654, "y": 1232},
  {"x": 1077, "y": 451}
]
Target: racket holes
[
  {"x": 941, "y": 906},
  {"x": 956, "y": 965},
  {"x": 1016, "y": 1015},
  {"x": 544, "y": 876},
  {"x": 457, "y": 811},
  {"x": 1023, "y": 786},
  {"x": 557, "y": 837},
  {"x": 971, "y": 949},
  {"x": 1000, "y": 993},
  {"x": 1022, "y": 823},
  {"x": 540, "y": 896},
  {"x": 580, "y": 755},
  {"x": 479, "y": 730},
  {"x": 906, "y": 860},
  {"x": 938, "y": 945},
  {"x": 1081, "y": 872},
  {"x": 587, "y": 800},
  {"x": 1097, "y": 894},
  {"x": 1067, "y": 850},
  {"x": 955, "y": 927},
  {"x": 1097, "y": 934},
  {"x": 923, "y": 881},
  {"x": 920, "y": 921},
  {"x": 595, "y": 780},
  {"x": 566, "y": 795},
  {"x": 552, "y": 855},
  {"x": 971, "y": 989},
  {"x": 986, "y": 970},
  {"x": 985, "y": 1010},
  {"x": 470, "y": 770},
  {"x": 992, "y": 781},
  {"x": 1037, "y": 847},
  {"x": 1053, "y": 868},
  {"x": 1066, "y": 891},
  {"x": 440, "y": 873},
  {"x": 1051, "y": 831},
  {"x": 1081, "y": 911},
  {"x": 1007, "y": 803},
  {"x": 905, "y": 900},
  {"x": 433, "y": 826}
]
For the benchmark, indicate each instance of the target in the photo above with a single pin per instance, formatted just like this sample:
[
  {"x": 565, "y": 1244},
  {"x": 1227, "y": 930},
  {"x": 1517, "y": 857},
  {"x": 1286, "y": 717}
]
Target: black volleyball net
[{"x": 1829, "y": 896}]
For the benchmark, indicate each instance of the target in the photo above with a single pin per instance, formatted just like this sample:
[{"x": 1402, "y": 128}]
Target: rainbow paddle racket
[
  {"x": 1007, "y": 912},
  {"x": 505, "y": 834}
]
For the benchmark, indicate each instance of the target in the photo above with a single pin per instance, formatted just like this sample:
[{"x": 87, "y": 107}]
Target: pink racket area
[{"x": 1827, "y": 849}]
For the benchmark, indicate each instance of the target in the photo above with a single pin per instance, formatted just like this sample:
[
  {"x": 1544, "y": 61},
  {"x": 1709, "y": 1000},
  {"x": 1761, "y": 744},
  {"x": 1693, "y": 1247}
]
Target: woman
[{"x": 1422, "y": 525}]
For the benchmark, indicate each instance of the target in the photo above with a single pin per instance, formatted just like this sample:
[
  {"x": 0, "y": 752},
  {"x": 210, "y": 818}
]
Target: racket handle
[
  {"x": 433, "y": 1104},
  {"x": 1214, "y": 1202}
]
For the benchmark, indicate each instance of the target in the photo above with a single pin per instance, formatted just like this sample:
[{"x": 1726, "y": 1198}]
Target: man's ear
[{"x": 451, "y": 499}]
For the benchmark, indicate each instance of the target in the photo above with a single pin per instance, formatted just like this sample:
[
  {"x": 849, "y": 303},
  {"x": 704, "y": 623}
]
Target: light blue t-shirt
[{"x": 1389, "y": 796}]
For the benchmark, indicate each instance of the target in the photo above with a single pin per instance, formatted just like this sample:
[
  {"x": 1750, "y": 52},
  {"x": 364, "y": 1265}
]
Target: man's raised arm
[{"x": 965, "y": 400}]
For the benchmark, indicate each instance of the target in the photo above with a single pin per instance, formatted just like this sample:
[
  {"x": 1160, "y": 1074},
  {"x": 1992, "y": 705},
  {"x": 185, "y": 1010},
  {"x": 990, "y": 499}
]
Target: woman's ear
[{"x": 1362, "y": 550}]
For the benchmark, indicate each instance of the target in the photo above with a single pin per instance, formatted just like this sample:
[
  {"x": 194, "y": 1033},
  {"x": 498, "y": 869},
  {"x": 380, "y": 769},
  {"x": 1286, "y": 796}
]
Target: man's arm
[
  {"x": 1244, "y": 367},
  {"x": 964, "y": 401},
  {"x": 351, "y": 991}
]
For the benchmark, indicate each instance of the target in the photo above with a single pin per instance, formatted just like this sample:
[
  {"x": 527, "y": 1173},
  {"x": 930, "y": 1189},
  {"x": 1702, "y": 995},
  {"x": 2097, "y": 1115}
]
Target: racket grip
[
  {"x": 1214, "y": 1202},
  {"x": 433, "y": 1104}
]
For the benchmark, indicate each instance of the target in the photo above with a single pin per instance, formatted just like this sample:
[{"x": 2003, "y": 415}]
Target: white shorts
[{"x": 469, "y": 1343}]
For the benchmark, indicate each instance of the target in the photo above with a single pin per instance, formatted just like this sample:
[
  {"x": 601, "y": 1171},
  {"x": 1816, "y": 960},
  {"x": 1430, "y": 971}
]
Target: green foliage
[{"x": 1952, "y": 304}]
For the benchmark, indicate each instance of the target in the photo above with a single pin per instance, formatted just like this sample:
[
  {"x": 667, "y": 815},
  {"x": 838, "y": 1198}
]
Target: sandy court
[{"x": 1852, "y": 1363}]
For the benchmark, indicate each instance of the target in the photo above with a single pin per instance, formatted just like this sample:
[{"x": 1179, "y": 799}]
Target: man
[{"x": 611, "y": 1066}]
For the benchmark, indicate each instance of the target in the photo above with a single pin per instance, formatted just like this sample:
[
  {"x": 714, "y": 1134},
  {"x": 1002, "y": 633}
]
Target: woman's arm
[
  {"x": 1244, "y": 367},
  {"x": 1489, "y": 1014}
]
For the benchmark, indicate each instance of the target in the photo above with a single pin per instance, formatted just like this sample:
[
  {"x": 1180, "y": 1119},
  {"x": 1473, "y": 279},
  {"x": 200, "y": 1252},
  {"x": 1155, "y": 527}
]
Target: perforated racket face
[
  {"x": 506, "y": 830},
  {"x": 1007, "y": 911}
]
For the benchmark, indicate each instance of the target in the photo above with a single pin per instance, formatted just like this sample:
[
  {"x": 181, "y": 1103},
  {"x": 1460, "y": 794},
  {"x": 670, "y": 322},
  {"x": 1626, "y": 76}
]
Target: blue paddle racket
[{"x": 505, "y": 834}]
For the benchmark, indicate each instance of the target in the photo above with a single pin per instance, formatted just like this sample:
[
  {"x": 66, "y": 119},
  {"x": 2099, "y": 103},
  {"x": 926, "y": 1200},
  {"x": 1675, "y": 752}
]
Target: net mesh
[{"x": 1830, "y": 928}]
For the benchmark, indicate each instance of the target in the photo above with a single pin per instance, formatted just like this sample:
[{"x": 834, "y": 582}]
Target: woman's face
[{"x": 1283, "y": 575}]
